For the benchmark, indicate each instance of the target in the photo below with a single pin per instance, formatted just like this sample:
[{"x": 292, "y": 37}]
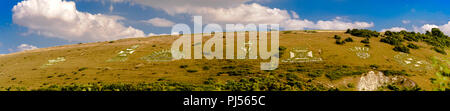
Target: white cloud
[
  {"x": 159, "y": 22},
  {"x": 406, "y": 21},
  {"x": 427, "y": 27},
  {"x": 221, "y": 11},
  {"x": 186, "y": 6},
  {"x": 24, "y": 47},
  {"x": 338, "y": 24},
  {"x": 245, "y": 12},
  {"x": 296, "y": 24},
  {"x": 295, "y": 15},
  {"x": 61, "y": 19},
  {"x": 335, "y": 24},
  {"x": 394, "y": 29},
  {"x": 153, "y": 34}
]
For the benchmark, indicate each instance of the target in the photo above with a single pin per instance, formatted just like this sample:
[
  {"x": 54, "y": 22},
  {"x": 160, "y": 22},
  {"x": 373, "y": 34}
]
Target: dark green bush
[
  {"x": 191, "y": 70},
  {"x": 281, "y": 51},
  {"x": 365, "y": 41},
  {"x": 315, "y": 74},
  {"x": 395, "y": 73},
  {"x": 205, "y": 68},
  {"x": 440, "y": 50},
  {"x": 393, "y": 40},
  {"x": 401, "y": 48},
  {"x": 363, "y": 33},
  {"x": 337, "y": 37},
  {"x": 349, "y": 39},
  {"x": 82, "y": 69},
  {"x": 413, "y": 46},
  {"x": 210, "y": 81},
  {"x": 374, "y": 66},
  {"x": 339, "y": 42},
  {"x": 183, "y": 66}
]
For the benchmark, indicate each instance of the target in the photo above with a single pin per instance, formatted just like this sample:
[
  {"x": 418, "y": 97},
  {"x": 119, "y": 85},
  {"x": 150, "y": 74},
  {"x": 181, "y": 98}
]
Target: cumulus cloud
[
  {"x": 427, "y": 27},
  {"x": 159, "y": 22},
  {"x": 245, "y": 12},
  {"x": 338, "y": 24},
  {"x": 335, "y": 24},
  {"x": 24, "y": 47},
  {"x": 296, "y": 24},
  {"x": 185, "y": 6},
  {"x": 61, "y": 19},
  {"x": 394, "y": 29},
  {"x": 295, "y": 15}
]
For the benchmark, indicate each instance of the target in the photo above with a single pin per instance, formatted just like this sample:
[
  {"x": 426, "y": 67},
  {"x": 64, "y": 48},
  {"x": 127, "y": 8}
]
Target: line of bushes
[
  {"x": 434, "y": 38},
  {"x": 363, "y": 33}
]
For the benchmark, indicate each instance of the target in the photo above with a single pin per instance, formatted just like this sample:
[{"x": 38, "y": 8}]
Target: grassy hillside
[{"x": 102, "y": 66}]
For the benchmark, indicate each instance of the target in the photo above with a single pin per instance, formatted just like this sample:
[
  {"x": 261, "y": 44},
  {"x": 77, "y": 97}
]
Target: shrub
[
  {"x": 411, "y": 37},
  {"x": 337, "y": 37},
  {"x": 209, "y": 81},
  {"x": 365, "y": 41},
  {"x": 349, "y": 39},
  {"x": 351, "y": 85},
  {"x": 363, "y": 33},
  {"x": 393, "y": 40},
  {"x": 440, "y": 50},
  {"x": 374, "y": 66},
  {"x": 395, "y": 73},
  {"x": 281, "y": 51},
  {"x": 82, "y": 69},
  {"x": 437, "y": 32},
  {"x": 205, "y": 68},
  {"x": 339, "y": 42},
  {"x": 191, "y": 70},
  {"x": 161, "y": 79},
  {"x": 413, "y": 46},
  {"x": 435, "y": 38},
  {"x": 388, "y": 33},
  {"x": 183, "y": 66},
  {"x": 229, "y": 67},
  {"x": 401, "y": 48},
  {"x": 315, "y": 74},
  {"x": 291, "y": 77},
  {"x": 445, "y": 73}
]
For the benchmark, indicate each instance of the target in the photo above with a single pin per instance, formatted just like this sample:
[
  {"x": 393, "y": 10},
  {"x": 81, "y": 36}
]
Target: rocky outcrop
[{"x": 373, "y": 81}]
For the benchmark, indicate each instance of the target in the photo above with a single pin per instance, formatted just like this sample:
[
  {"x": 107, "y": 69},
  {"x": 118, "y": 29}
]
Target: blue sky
[{"x": 37, "y": 27}]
